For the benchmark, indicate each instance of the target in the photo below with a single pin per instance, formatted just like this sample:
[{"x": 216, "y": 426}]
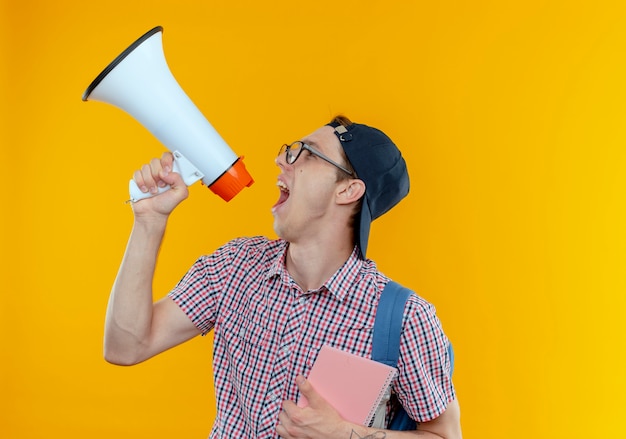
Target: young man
[{"x": 272, "y": 304}]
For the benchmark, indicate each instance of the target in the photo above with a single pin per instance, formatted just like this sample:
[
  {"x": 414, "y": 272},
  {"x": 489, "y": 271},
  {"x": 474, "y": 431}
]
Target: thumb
[
  {"x": 307, "y": 390},
  {"x": 172, "y": 178}
]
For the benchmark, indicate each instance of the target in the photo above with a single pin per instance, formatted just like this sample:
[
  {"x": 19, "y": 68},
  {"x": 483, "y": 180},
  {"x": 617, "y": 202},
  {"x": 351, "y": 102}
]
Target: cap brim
[{"x": 363, "y": 223}]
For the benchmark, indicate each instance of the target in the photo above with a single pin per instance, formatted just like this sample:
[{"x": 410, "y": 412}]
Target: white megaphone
[{"x": 139, "y": 82}]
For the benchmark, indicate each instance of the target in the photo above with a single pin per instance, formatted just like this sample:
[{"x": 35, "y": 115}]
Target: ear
[{"x": 350, "y": 191}]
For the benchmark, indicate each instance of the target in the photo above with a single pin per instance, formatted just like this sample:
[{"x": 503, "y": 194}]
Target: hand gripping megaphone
[{"x": 139, "y": 82}]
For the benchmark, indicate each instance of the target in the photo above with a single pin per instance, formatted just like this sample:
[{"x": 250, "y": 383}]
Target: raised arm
[{"x": 136, "y": 328}]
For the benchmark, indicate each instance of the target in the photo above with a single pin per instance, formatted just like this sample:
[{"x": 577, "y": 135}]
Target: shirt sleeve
[
  {"x": 424, "y": 387},
  {"x": 198, "y": 292}
]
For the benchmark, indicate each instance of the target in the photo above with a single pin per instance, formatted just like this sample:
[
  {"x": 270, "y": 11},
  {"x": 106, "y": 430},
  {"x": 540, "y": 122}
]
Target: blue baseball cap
[{"x": 380, "y": 165}]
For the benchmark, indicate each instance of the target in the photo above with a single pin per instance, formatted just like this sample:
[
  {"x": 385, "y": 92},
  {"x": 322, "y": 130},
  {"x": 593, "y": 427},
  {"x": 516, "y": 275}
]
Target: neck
[{"x": 312, "y": 264}]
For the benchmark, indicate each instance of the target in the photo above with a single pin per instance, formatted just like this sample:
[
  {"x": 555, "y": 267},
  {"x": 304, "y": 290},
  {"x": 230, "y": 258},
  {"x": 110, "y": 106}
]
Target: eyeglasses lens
[{"x": 293, "y": 152}]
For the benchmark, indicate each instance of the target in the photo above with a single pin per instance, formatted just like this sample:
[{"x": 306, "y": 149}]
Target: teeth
[{"x": 282, "y": 186}]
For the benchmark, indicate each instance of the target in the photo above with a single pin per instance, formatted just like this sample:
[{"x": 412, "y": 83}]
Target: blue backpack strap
[
  {"x": 388, "y": 323},
  {"x": 386, "y": 341}
]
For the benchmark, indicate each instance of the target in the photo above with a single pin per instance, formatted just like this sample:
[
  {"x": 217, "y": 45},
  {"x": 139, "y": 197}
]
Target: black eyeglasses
[{"x": 293, "y": 151}]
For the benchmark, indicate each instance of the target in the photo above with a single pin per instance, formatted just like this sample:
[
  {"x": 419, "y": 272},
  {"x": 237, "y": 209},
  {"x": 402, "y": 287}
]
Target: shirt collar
[
  {"x": 277, "y": 266},
  {"x": 338, "y": 284}
]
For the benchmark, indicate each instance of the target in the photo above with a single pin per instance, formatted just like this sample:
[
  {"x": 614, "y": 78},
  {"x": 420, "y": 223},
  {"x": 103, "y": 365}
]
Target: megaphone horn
[{"x": 139, "y": 82}]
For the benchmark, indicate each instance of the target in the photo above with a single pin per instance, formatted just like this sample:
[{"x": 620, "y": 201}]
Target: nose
[{"x": 281, "y": 159}]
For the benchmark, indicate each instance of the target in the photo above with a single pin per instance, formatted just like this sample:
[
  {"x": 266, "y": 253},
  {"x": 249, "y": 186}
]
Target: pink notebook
[{"x": 353, "y": 385}]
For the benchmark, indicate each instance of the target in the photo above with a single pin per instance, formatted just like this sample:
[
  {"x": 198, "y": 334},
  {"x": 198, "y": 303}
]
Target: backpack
[{"x": 386, "y": 341}]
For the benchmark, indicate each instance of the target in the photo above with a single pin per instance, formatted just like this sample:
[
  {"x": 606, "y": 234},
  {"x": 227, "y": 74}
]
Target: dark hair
[{"x": 342, "y": 120}]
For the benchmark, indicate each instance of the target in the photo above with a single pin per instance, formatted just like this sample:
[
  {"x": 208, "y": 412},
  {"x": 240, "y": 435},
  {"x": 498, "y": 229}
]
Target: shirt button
[
  {"x": 273, "y": 397},
  {"x": 285, "y": 349},
  {"x": 302, "y": 300}
]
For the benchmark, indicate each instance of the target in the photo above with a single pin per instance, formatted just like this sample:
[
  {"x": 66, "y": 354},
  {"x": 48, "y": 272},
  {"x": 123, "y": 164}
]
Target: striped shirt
[{"x": 267, "y": 331}]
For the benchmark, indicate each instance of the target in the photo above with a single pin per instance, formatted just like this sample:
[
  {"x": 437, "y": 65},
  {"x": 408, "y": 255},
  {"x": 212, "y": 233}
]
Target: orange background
[{"x": 511, "y": 116}]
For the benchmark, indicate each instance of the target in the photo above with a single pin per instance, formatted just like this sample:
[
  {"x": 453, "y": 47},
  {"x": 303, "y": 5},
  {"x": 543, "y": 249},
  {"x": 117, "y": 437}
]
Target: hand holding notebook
[{"x": 353, "y": 385}]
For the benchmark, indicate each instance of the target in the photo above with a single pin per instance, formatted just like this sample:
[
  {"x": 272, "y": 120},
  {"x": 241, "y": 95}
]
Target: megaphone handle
[
  {"x": 137, "y": 195},
  {"x": 181, "y": 165}
]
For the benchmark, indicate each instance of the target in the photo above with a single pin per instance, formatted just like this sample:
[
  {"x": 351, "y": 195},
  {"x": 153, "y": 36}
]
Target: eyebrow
[{"x": 310, "y": 143}]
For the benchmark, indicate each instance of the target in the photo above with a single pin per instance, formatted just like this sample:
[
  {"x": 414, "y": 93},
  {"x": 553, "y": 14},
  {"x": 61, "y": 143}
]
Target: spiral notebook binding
[{"x": 381, "y": 397}]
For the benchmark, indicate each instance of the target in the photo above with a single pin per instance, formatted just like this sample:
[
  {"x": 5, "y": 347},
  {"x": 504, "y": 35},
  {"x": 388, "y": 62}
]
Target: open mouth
[{"x": 284, "y": 193}]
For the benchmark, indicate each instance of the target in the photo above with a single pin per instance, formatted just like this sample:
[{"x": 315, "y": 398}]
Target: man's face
[{"x": 307, "y": 188}]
